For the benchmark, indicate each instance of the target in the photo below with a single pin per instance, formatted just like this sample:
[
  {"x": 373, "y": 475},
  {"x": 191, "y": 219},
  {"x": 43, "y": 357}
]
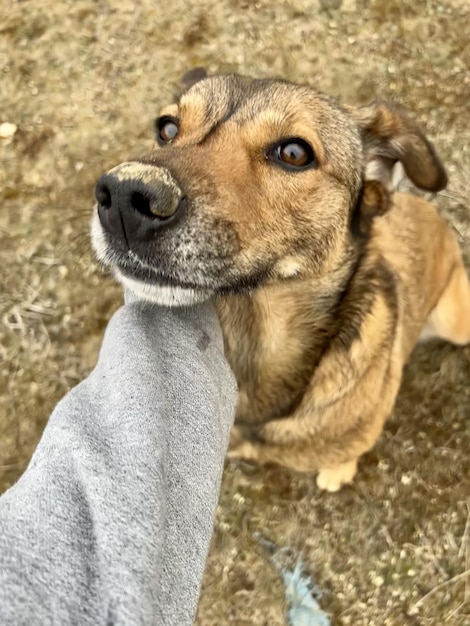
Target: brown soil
[{"x": 83, "y": 80}]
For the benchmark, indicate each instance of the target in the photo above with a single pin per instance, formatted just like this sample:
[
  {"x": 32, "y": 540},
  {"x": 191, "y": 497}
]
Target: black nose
[{"x": 136, "y": 200}]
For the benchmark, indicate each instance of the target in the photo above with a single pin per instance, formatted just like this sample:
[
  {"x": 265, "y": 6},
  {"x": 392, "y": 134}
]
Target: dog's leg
[
  {"x": 292, "y": 443},
  {"x": 450, "y": 318},
  {"x": 298, "y": 458}
]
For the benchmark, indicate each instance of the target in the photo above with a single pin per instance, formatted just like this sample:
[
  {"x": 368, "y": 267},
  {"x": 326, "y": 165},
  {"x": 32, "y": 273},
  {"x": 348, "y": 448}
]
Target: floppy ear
[{"x": 388, "y": 136}]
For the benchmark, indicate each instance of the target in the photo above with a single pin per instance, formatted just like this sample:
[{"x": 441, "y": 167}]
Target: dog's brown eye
[
  {"x": 293, "y": 154},
  {"x": 167, "y": 130}
]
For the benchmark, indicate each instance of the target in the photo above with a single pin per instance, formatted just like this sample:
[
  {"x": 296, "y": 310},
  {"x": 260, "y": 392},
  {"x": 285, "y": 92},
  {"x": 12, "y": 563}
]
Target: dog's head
[{"x": 255, "y": 181}]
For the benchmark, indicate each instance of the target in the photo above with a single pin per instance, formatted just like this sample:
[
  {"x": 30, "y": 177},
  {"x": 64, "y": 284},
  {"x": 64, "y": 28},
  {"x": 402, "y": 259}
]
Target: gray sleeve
[{"x": 111, "y": 522}]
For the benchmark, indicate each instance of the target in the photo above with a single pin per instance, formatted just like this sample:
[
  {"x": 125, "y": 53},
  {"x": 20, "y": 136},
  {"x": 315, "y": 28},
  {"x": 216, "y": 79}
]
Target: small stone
[
  {"x": 405, "y": 479},
  {"x": 7, "y": 130}
]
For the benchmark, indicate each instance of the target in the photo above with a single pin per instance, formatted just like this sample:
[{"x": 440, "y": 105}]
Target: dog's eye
[
  {"x": 167, "y": 129},
  {"x": 294, "y": 154}
]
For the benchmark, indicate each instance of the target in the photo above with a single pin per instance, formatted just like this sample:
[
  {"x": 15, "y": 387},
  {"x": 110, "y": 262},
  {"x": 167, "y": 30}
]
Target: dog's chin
[{"x": 164, "y": 295}]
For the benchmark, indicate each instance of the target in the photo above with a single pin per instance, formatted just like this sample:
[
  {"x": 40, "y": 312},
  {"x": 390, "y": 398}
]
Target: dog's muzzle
[{"x": 137, "y": 200}]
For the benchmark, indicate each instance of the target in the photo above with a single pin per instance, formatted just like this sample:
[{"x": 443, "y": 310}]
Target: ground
[{"x": 82, "y": 81}]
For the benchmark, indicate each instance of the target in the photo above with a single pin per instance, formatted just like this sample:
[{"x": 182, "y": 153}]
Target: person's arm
[{"x": 111, "y": 522}]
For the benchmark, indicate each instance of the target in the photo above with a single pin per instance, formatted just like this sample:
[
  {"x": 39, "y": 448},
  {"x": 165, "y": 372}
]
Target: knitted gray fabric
[{"x": 111, "y": 522}]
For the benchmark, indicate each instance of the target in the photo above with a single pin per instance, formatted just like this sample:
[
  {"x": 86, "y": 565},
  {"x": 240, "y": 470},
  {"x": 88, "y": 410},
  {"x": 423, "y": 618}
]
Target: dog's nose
[{"x": 136, "y": 199}]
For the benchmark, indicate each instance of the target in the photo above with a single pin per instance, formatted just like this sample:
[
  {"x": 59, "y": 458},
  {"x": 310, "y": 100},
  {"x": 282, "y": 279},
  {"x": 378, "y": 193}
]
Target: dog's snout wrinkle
[{"x": 137, "y": 199}]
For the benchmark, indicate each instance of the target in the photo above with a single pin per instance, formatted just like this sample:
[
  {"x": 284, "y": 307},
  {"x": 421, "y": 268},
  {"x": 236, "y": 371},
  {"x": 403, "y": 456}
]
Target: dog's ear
[
  {"x": 191, "y": 78},
  {"x": 389, "y": 136}
]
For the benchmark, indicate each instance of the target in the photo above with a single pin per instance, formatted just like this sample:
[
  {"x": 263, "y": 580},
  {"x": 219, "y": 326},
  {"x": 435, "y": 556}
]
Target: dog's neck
[{"x": 273, "y": 329}]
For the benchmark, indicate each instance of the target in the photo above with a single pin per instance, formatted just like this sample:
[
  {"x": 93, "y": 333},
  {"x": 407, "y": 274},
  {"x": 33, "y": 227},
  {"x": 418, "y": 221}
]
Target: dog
[{"x": 277, "y": 202}]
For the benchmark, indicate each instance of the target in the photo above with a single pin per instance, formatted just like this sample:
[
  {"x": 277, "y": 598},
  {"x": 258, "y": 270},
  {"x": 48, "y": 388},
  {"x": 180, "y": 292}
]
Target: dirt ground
[{"x": 82, "y": 81}]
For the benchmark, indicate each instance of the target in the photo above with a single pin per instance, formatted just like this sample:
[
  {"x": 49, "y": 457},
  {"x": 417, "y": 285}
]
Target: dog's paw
[
  {"x": 333, "y": 478},
  {"x": 245, "y": 451}
]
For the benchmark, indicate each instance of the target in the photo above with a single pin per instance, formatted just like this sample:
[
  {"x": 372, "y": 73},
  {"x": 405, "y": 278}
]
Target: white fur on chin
[{"x": 162, "y": 294}]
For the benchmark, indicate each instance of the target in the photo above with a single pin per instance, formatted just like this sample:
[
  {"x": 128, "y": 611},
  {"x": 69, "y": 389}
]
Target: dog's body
[
  {"x": 273, "y": 199},
  {"x": 321, "y": 398}
]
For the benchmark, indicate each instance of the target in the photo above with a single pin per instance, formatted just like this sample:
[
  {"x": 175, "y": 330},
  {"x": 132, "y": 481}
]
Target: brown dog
[{"x": 274, "y": 199}]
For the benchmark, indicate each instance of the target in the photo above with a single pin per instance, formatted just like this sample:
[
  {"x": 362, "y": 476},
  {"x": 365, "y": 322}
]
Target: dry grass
[{"x": 82, "y": 80}]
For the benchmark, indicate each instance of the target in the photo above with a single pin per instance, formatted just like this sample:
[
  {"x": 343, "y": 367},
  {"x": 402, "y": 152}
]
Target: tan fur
[
  {"x": 352, "y": 393},
  {"x": 324, "y": 281}
]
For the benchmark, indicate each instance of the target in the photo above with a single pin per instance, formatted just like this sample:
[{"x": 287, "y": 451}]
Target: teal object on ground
[{"x": 302, "y": 595}]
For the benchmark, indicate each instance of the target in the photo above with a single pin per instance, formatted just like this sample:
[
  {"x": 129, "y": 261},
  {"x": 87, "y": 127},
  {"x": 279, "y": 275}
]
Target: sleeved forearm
[{"x": 111, "y": 522}]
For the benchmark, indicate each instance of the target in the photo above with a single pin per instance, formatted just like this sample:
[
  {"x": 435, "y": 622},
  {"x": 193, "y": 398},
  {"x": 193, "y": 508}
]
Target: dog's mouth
[
  {"x": 151, "y": 284},
  {"x": 145, "y": 279},
  {"x": 161, "y": 290},
  {"x": 151, "y": 280},
  {"x": 174, "y": 275}
]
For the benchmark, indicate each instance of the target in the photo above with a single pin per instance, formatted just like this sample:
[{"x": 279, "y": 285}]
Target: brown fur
[{"x": 324, "y": 280}]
